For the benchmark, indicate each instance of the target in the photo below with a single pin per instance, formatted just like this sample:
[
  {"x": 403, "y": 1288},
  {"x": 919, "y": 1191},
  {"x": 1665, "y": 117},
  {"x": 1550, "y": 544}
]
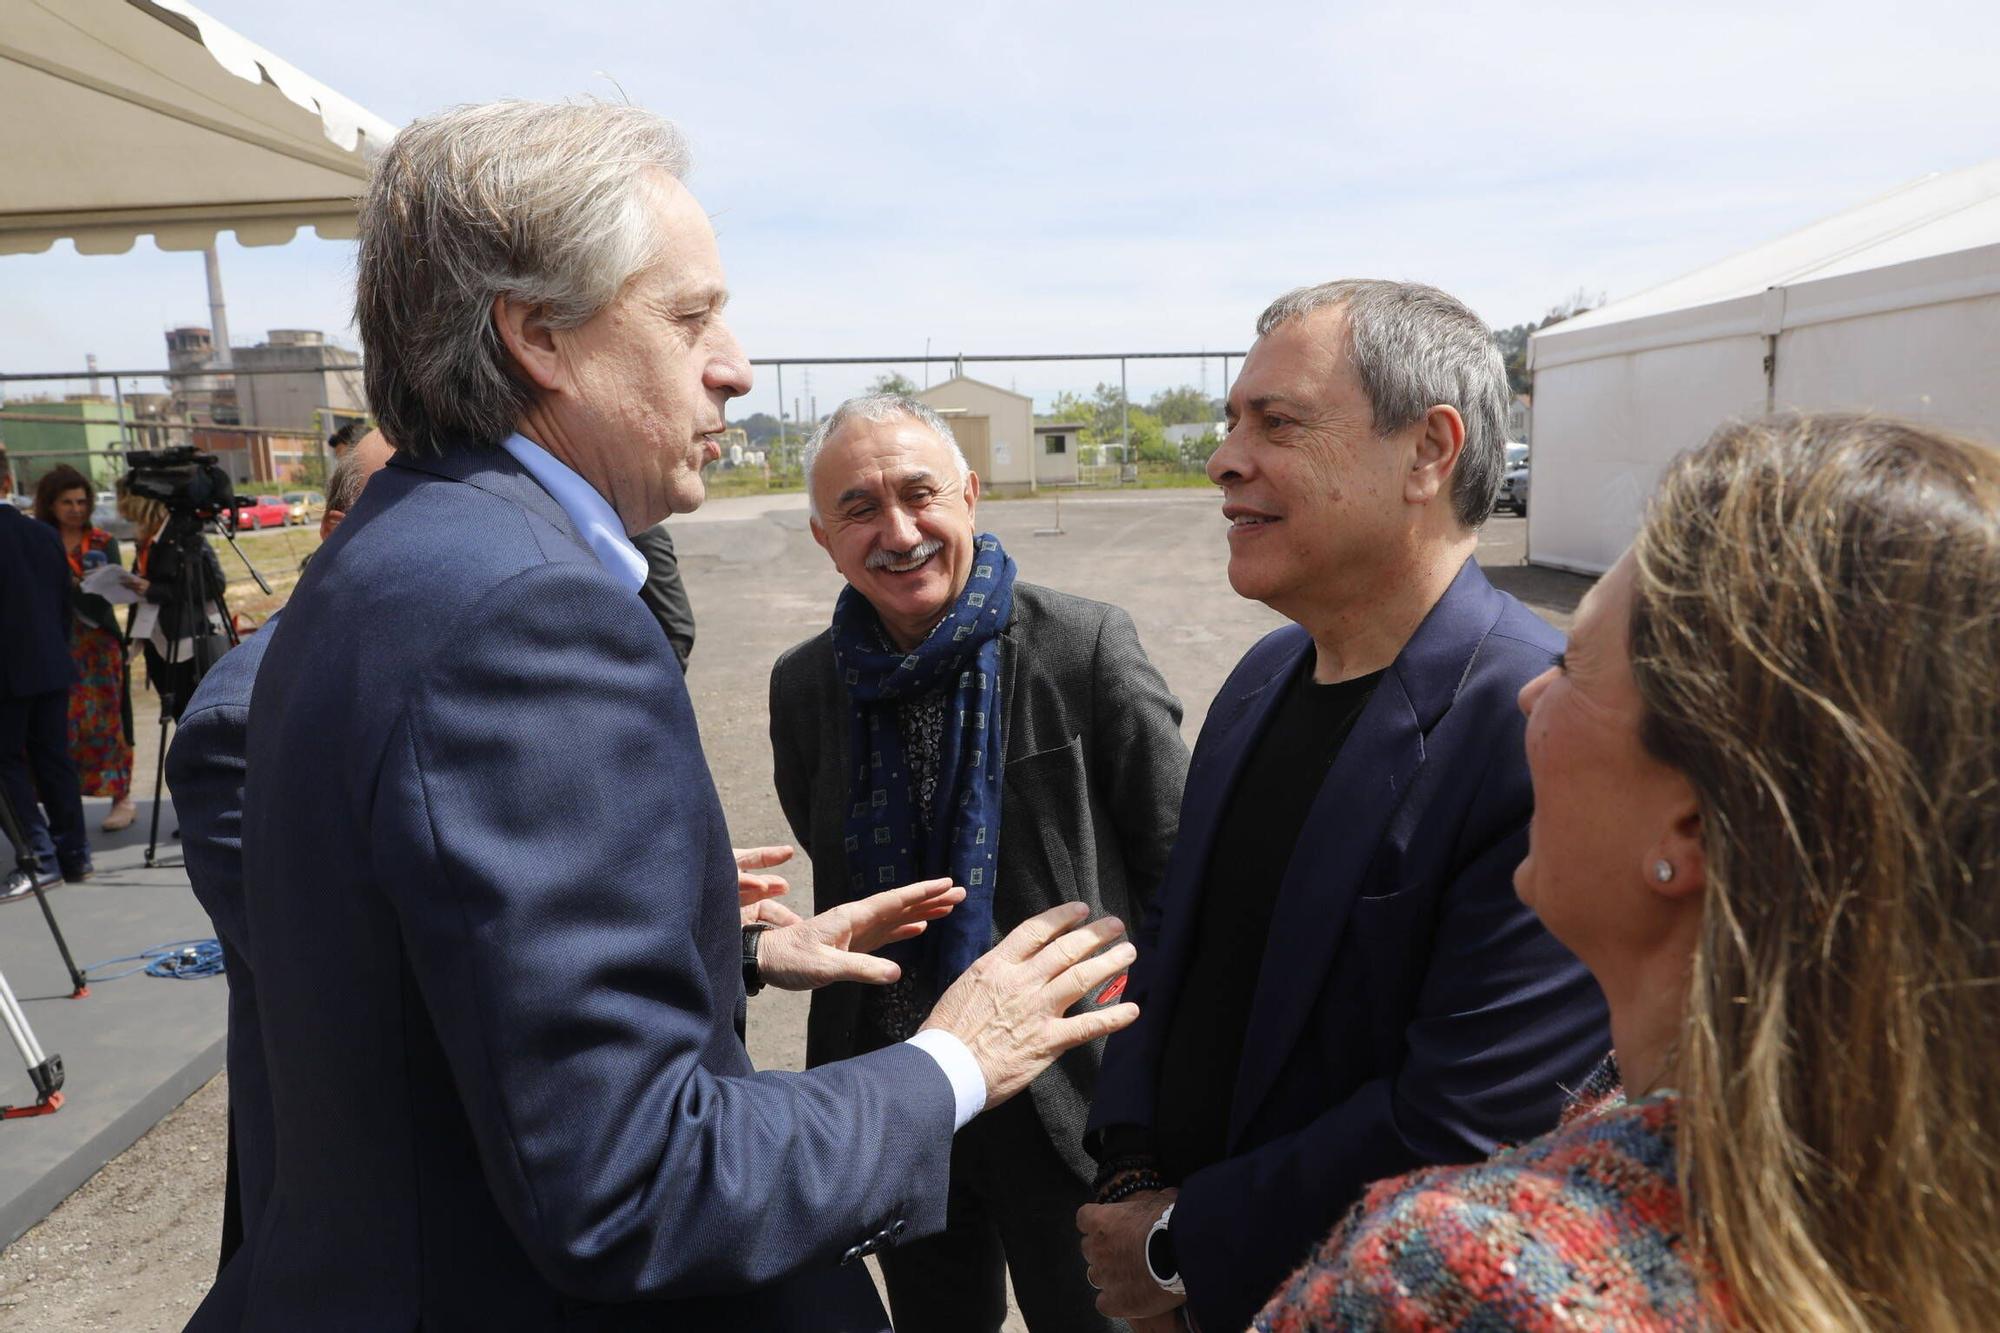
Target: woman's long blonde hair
[{"x": 1816, "y": 636}]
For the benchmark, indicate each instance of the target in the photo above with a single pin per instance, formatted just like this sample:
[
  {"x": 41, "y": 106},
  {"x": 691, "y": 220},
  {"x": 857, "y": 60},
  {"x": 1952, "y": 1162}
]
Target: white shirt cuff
[{"x": 968, "y": 1084}]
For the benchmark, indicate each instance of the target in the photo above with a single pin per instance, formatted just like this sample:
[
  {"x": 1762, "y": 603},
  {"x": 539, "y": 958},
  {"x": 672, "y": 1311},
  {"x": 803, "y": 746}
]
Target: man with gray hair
[
  {"x": 364, "y": 457},
  {"x": 501, "y": 962},
  {"x": 956, "y": 722},
  {"x": 1337, "y": 983}
]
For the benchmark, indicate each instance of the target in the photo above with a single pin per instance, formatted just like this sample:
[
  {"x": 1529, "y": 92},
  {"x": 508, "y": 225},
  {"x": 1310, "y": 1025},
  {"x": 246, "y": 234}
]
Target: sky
[{"x": 1124, "y": 177}]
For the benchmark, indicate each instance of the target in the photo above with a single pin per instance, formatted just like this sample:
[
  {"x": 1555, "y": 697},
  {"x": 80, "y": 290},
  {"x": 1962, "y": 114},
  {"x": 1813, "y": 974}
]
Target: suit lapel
[
  {"x": 1369, "y": 780},
  {"x": 1010, "y": 653},
  {"x": 1209, "y": 785}
]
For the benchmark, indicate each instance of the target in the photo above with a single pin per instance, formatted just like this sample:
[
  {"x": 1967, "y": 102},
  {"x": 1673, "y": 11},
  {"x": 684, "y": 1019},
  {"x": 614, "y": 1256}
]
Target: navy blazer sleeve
[
  {"x": 205, "y": 767},
  {"x": 545, "y": 827},
  {"x": 1501, "y": 1013},
  {"x": 205, "y": 770}
]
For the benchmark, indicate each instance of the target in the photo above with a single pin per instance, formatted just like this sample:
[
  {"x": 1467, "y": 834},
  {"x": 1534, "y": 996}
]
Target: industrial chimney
[{"x": 218, "y": 318}]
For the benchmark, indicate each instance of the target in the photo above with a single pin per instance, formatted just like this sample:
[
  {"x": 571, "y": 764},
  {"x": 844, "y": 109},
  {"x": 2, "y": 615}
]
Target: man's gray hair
[
  {"x": 1416, "y": 348},
  {"x": 344, "y": 483},
  {"x": 878, "y": 407},
  {"x": 548, "y": 204}
]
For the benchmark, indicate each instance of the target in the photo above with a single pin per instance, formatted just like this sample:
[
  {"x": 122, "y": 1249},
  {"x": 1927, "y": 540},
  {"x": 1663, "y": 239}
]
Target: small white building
[
  {"x": 1057, "y": 445},
  {"x": 1191, "y": 431},
  {"x": 996, "y": 429}
]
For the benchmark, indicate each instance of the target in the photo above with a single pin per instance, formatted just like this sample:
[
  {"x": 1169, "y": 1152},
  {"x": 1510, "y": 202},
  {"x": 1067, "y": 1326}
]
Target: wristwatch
[
  {"x": 753, "y": 980},
  {"x": 1160, "y": 1262}
]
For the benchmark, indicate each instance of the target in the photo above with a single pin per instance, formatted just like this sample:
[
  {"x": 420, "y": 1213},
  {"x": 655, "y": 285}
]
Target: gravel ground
[{"x": 134, "y": 1249}]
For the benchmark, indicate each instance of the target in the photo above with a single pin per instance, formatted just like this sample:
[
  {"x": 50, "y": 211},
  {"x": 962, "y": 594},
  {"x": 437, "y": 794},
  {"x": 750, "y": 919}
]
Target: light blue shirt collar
[{"x": 596, "y": 521}]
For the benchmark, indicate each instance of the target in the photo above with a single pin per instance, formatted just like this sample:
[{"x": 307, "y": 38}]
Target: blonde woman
[{"x": 1767, "y": 818}]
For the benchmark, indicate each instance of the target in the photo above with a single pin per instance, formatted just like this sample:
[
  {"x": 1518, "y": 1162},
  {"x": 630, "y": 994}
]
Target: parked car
[
  {"x": 307, "y": 506},
  {"x": 1514, "y": 481},
  {"x": 269, "y": 511}
]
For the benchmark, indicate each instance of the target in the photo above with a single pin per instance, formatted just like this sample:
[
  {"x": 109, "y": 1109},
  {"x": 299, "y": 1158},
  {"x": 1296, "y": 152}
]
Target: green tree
[
  {"x": 1195, "y": 453},
  {"x": 1069, "y": 406},
  {"x": 893, "y": 382},
  {"x": 761, "y": 427},
  {"x": 1182, "y": 406},
  {"x": 1513, "y": 342},
  {"x": 1149, "y": 438}
]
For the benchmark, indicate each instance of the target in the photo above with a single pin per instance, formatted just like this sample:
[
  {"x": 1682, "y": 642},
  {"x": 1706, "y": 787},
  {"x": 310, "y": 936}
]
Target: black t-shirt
[{"x": 1253, "y": 846}]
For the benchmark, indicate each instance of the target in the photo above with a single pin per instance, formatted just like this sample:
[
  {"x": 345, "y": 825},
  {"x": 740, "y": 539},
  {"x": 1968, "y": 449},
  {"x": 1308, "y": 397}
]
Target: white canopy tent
[
  {"x": 147, "y": 116},
  {"x": 1891, "y": 307}
]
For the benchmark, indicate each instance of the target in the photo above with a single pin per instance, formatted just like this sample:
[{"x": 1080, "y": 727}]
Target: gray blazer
[{"x": 1090, "y": 798}]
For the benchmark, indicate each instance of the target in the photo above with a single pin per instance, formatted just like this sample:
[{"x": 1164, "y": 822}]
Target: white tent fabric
[
  {"x": 1891, "y": 307},
  {"x": 127, "y": 117}
]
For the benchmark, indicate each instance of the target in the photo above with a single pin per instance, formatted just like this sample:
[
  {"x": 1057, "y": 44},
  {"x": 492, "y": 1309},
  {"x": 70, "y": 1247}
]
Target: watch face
[{"x": 1160, "y": 1255}]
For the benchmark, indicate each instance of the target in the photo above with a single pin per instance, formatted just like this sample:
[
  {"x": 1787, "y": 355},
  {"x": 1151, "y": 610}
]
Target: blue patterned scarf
[{"x": 962, "y": 655}]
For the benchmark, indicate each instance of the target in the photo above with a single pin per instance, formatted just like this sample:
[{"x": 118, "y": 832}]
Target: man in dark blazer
[
  {"x": 1339, "y": 984},
  {"x": 1092, "y": 763},
  {"x": 36, "y": 673},
  {"x": 493, "y": 914}
]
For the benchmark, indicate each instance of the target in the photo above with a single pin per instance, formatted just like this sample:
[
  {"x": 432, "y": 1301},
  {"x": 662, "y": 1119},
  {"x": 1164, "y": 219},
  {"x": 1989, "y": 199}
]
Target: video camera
[{"x": 183, "y": 479}]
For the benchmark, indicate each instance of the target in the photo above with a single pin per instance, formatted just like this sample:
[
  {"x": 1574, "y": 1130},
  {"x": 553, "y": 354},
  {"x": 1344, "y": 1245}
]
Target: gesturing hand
[
  {"x": 752, "y": 887},
  {"x": 769, "y": 912},
  {"x": 1008, "y": 1007},
  {"x": 838, "y": 945}
]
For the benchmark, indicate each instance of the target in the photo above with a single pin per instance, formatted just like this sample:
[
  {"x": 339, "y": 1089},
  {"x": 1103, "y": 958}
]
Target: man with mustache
[{"x": 953, "y": 721}]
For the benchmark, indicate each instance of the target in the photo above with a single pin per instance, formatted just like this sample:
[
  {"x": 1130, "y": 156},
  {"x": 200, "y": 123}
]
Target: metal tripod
[
  {"x": 44, "y": 1071},
  {"x": 188, "y": 610}
]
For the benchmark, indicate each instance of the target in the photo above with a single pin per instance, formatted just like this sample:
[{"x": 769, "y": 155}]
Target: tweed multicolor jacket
[{"x": 1580, "y": 1229}]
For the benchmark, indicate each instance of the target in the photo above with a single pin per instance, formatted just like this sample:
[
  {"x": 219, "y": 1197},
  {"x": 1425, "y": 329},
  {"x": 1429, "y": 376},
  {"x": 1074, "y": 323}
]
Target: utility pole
[{"x": 1124, "y": 424}]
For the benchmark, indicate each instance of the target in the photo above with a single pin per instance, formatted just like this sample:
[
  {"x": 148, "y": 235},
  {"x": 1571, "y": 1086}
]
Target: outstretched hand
[
  {"x": 1008, "y": 1008},
  {"x": 752, "y": 887},
  {"x": 839, "y": 945}
]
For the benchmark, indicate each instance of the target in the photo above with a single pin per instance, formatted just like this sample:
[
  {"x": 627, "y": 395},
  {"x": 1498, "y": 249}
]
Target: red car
[{"x": 268, "y": 512}]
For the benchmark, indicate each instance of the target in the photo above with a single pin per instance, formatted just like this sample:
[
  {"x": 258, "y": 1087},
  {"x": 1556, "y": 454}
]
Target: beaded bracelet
[{"x": 1138, "y": 1183}]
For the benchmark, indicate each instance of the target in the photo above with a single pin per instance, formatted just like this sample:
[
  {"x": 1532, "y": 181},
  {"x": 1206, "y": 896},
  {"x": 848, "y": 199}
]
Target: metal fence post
[{"x": 1125, "y": 458}]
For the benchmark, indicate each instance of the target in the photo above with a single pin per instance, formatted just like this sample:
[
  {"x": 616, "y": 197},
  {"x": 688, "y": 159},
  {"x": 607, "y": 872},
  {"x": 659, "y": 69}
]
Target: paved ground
[{"x": 134, "y": 1248}]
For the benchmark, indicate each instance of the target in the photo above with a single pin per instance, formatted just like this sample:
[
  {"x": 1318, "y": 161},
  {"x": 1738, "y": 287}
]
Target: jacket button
[
  {"x": 899, "y": 1227},
  {"x": 853, "y": 1253}
]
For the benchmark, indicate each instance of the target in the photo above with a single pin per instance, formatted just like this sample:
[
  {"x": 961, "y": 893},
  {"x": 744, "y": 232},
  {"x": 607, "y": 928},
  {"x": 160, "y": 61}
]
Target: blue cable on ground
[{"x": 183, "y": 960}]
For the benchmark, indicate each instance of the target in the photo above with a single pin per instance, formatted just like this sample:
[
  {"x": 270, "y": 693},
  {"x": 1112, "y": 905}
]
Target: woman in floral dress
[{"x": 99, "y": 743}]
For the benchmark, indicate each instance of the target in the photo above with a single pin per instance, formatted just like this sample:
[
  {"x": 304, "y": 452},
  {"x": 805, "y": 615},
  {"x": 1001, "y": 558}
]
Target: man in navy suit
[
  {"x": 35, "y": 678},
  {"x": 499, "y": 960},
  {"x": 1336, "y": 982}
]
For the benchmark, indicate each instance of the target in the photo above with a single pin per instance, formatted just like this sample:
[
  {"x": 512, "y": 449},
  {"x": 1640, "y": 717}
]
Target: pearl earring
[{"x": 1663, "y": 871}]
